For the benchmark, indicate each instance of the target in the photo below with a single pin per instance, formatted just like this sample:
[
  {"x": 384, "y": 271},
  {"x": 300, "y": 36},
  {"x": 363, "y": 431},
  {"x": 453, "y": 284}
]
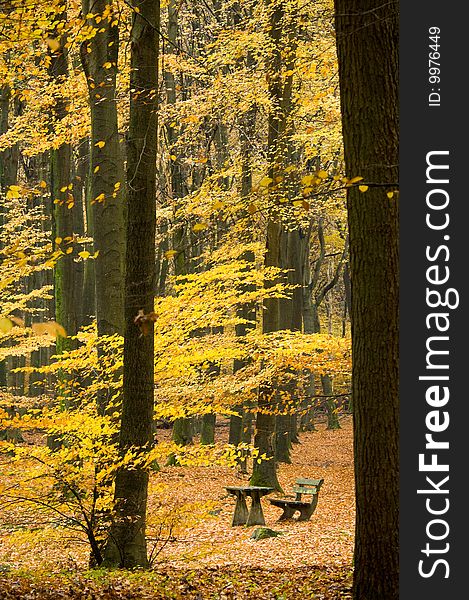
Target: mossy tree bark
[
  {"x": 367, "y": 46},
  {"x": 107, "y": 196},
  {"x": 89, "y": 276},
  {"x": 126, "y": 543},
  {"x": 67, "y": 280},
  {"x": 207, "y": 433}
]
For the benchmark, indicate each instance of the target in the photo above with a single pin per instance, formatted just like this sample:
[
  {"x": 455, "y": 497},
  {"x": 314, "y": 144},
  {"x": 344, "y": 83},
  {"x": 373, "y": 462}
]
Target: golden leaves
[
  {"x": 49, "y": 327},
  {"x": 265, "y": 181},
  {"x": 349, "y": 182},
  {"x": 301, "y": 203},
  {"x": 5, "y": 325},
  {"x": 14, "y": 191},
  {"x": 52, "y": 43}
]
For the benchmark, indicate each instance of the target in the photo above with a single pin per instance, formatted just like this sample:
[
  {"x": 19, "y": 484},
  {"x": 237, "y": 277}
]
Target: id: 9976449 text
[{"x": 434, "y": 66}]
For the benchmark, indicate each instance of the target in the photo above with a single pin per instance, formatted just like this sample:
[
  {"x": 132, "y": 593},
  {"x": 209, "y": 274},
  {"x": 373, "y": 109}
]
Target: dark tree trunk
[
  {"x": 183, "y": 428},
  {"x": 8, "y": 176},
  {"x": 126, "y": 543},
  {"x": 313, "y": 323},
  {"x": 67, "y": 283},
  {"x": 367, "y": 46}
]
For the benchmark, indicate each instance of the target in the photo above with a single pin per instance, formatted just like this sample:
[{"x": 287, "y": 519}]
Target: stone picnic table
[{"x": 243, "y": 516}]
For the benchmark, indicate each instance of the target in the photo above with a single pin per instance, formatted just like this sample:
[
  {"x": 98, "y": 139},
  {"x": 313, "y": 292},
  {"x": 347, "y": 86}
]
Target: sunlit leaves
[
  {"x": 5, "y": 325},
  {"x": 14, "y": 191},
  {"x": 50, "y": 327},
  {"x": 265, "y": 181},
  {"x": 53, "y": 44}
]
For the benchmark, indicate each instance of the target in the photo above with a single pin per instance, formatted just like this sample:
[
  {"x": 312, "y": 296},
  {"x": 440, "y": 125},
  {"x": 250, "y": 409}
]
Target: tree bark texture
[
  {"x": 99, "y": 58},
  {"x": 127, "y": 543},
  {"x": 8, "y": 176},
  {"x": 67, "y": 280},
  {"x": 367, "y": 46}
]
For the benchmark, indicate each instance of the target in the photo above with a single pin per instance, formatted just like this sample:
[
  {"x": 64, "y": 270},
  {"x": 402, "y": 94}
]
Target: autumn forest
[{"x": 198, "y": 299}]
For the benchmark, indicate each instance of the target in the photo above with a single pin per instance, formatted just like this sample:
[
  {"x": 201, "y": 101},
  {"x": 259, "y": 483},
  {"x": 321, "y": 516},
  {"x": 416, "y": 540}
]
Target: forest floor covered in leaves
[{"x": 202, "y": 557}]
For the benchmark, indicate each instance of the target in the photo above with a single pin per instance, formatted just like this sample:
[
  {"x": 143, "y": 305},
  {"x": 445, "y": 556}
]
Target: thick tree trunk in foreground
[
  {"x": 367, "y": 44},
  {"x": 127, "y": 544}
]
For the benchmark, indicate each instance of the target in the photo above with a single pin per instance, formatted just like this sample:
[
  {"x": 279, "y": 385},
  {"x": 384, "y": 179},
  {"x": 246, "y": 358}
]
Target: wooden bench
[{"x": 303, "y": 487}]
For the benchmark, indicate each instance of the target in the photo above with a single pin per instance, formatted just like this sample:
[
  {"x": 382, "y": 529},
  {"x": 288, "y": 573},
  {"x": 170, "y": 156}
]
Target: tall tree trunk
[
  {"x": 320, "y": 293},
  {"x": 308, "y": 402},
  {"x": 207, "y": 433},
  {"x": 291, "y": 311},
  {"x": 183, "y": 430},
  {"x": 367, "y": 47},
  {"x": 67, "y": 284},
  {"x": 89, "y": 276},
  {"x": 264, "y": 472},
  {"x": 127, "y": 544},
  {"x": 99, "y": 58},
  {"x": 241, "y": 421},
  {"x": 8, "y": 176}
]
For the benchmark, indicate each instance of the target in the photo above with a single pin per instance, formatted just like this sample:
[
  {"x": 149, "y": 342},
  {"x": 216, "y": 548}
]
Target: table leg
[
  {"x": 256, "y": 515},
  {"x": 241, "y": 510}
]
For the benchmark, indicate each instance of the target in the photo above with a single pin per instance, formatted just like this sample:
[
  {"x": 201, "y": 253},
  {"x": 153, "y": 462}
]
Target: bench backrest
[{"x": 308, "y": 486}]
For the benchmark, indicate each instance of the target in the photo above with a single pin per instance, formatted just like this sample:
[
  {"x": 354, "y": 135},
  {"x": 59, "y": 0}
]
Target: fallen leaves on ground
[
  {"x": 203, "y": 584},
  {"x": 211, "y": 559}
]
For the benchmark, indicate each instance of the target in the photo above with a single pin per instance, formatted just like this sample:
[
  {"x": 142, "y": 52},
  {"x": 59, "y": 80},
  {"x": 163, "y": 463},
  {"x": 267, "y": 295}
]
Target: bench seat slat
[{"x": 281, "y": 502}]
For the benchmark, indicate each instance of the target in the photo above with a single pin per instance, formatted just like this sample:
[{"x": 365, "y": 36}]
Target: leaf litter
[{"x": 205, "y": 557}]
